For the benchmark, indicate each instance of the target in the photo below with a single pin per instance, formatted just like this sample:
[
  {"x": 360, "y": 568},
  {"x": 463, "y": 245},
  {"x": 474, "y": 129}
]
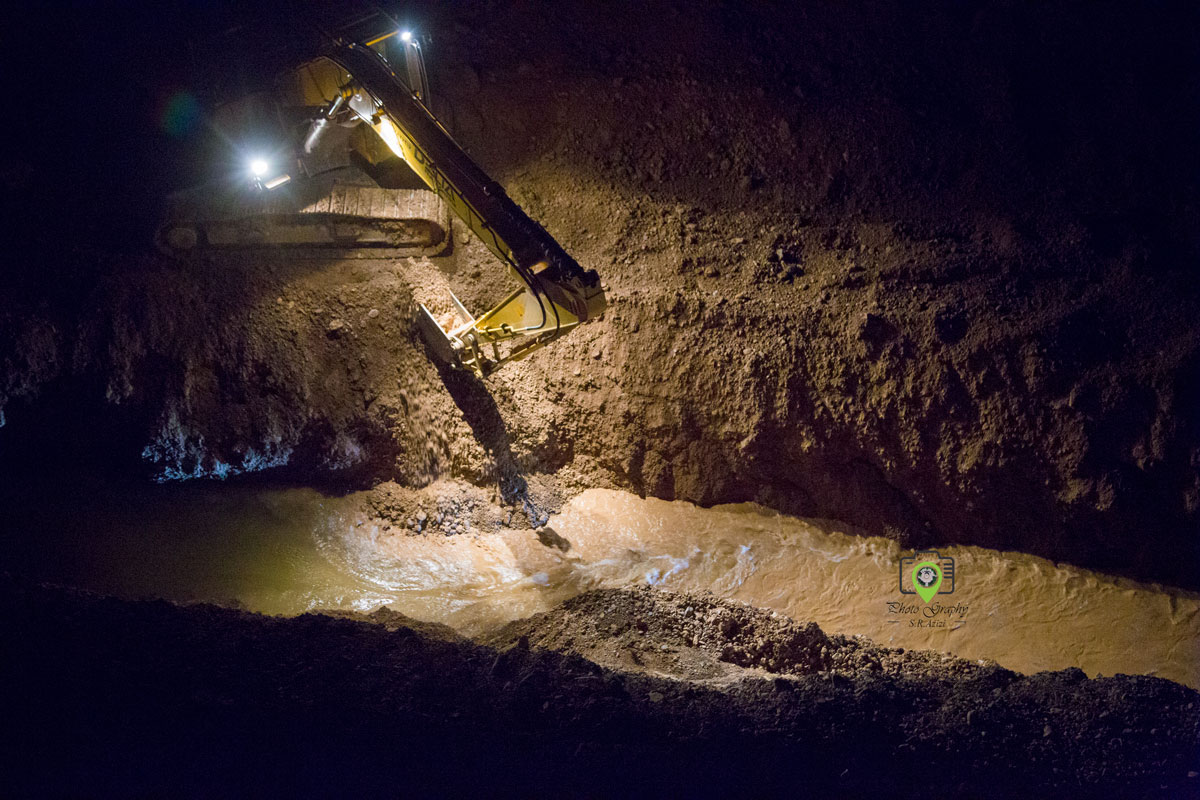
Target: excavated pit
[{"x": 924, "y": 281}]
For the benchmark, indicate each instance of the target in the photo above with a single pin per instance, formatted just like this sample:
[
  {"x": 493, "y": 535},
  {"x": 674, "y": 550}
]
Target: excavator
[{"x": 366, "y": 95}]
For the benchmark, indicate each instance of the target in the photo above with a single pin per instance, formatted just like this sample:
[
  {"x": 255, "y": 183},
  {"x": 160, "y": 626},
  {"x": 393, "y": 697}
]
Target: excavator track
[{"x": 410, "y": 221}]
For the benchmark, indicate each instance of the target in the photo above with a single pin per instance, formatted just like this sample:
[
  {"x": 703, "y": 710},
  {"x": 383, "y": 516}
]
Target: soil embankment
[{"x": 673, "y": 694}]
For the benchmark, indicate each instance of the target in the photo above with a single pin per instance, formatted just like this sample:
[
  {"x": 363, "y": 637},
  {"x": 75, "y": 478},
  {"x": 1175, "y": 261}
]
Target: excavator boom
[{"x": 557, "y": 293}]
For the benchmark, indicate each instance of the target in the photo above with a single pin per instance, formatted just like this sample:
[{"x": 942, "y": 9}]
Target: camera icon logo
[{"x": 926, "y": 573}]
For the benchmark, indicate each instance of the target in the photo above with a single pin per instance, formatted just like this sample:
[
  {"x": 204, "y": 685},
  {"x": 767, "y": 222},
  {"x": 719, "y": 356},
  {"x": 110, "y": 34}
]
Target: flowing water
[{"x": 289, "y": 551}]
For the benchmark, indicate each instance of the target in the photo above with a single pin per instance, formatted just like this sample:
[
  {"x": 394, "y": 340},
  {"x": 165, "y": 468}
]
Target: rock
[
  {"x": 336, "y": 326},
  {"x": 373, "y": 313},
  {"x": 656, "y": 697}
]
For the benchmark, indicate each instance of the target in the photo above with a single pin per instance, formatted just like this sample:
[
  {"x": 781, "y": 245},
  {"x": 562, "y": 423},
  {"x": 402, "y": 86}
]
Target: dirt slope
[{"x": 150, "y": 698}]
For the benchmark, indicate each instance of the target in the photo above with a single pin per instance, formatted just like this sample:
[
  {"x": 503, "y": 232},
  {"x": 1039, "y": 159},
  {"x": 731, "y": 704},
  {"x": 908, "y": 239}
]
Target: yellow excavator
[{"x": 357, "y": 102}]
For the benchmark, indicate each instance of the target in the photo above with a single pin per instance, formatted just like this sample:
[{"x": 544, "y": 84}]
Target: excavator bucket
[{"x": 438, "y": 337}]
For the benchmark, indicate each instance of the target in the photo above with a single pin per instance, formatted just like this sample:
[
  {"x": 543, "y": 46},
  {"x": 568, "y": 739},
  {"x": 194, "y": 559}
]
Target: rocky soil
[
  {"x": 723, "y": 700},
  {"x": 711, "y": 640},
  {"x": 932, "y": 275}
]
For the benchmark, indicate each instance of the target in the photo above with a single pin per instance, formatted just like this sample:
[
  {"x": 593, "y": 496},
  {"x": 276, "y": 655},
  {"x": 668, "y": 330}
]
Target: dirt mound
[
  {"x": 151, "y": 698},
  {"x": 392, "y": 620},
  {"x": 445, "y": 507},
  {"x": 665, "y": 633},
  {"x": 695, "y": 637}
]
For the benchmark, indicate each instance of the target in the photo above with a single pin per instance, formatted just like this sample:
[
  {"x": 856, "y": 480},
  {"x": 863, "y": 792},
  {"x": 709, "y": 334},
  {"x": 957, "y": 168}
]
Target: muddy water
[
  {"x": 1025, "y": 612},
  {"x": 289, "y": 551},
  {"x": 184, "y": 542}
]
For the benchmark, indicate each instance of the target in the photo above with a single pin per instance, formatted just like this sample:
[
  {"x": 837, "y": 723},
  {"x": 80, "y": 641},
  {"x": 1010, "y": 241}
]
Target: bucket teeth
[{"x": 461, "y": 345}]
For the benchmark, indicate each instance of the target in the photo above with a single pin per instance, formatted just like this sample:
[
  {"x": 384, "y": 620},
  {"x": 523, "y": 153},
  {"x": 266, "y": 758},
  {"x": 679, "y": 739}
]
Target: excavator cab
[{"x": 363, "y": 98}]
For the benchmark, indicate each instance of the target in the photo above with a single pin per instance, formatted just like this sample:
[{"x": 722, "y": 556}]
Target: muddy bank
[
  {"x": 931, "y": 277},
  {"x": 152, "y": 697}
]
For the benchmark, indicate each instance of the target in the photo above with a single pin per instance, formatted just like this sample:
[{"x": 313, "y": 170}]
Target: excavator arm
[{"x": 555, "y": 295}]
